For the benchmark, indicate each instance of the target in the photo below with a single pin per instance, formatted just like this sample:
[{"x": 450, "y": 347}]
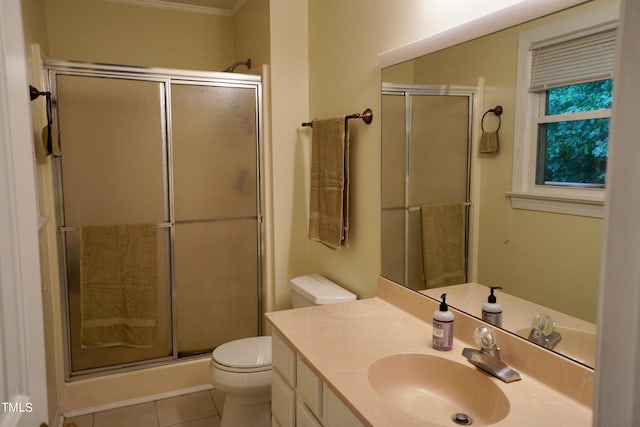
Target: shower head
[{"x": 246, "y": 63}]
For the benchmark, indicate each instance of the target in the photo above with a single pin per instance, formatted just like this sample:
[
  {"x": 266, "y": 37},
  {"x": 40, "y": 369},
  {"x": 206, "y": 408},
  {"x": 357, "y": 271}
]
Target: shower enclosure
[
  {"x": 178, "y": 152},
  {"x": 426, "y": 159}
]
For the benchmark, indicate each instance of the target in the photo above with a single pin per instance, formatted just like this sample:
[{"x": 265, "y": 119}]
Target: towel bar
[
  {"x": 66, "y": 228},
  {"x": 414, "y": 208},
  {"x": 498, "y": 113},
  {"x": 366, "y": 116}
]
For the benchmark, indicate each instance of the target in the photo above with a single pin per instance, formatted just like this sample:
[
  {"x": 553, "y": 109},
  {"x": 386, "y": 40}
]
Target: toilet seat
[{"x": 244, "y": 355}]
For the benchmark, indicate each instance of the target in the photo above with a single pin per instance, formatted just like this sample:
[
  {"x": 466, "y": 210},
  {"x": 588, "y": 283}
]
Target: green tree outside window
[{"x": 575, "y": 151}]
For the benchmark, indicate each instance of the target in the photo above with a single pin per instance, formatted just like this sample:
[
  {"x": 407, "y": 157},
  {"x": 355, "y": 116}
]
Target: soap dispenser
[
  {"x": 491, "y": 310},
  {"x": 443, "y": 326}
]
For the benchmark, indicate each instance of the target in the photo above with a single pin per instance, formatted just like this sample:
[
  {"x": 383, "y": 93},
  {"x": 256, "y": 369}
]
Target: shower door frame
[
  {"x": 167, "y": 77},
  {"x": 471, "y": 93}
]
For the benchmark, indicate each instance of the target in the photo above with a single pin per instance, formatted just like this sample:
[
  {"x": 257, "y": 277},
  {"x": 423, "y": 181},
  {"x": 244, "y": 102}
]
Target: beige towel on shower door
[
  {"x": 443, "y": 242},
  {"x": 329, "y": 193},
  {"x": 118, "y": 285}
]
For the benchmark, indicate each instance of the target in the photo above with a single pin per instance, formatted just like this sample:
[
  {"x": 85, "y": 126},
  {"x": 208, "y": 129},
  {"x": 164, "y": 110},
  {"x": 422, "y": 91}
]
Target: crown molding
[{"x": 168, "y": 5}]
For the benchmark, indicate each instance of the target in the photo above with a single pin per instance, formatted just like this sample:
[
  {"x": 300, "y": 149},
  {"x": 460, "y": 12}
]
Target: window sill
[{"x": 567, "y": 205}]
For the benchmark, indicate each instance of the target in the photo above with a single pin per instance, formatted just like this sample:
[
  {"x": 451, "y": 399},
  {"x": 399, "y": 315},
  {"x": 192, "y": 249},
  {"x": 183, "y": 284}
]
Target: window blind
[{"x": 581, "y": 59}]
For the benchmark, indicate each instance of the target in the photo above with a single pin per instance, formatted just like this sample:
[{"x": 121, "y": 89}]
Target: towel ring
[{"x": 498, "y": 112}]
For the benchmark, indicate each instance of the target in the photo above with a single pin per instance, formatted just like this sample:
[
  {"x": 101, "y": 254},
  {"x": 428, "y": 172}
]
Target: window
[
  {"x": 564, "y": 97},
  {"x": 573, "y": 135}
]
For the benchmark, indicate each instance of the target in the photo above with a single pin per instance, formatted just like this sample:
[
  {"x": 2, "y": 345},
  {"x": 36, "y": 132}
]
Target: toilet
[{"x": 242, "y": 368}]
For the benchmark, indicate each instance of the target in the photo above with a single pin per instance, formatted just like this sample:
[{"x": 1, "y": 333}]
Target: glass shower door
[
  {"x": 214, "y": 144},
  {"x": 113, "y": 173},
  {"x": 438, "y": 168},
  {"x": 158, "y": 189},
  {"x": 425, "y": 161}
]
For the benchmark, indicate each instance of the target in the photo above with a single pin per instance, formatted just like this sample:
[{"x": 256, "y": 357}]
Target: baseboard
[
  {"x": 58, "y": 418},
  {"x": 137, "y": 400}
]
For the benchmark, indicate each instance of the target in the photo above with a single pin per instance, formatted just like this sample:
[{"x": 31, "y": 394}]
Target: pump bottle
[
  {"x": 443, "y": 327},
  {"x": 491, "y": 310}
]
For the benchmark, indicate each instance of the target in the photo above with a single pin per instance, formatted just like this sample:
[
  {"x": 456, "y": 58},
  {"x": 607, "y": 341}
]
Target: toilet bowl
[{"x": 242, "y": 368}]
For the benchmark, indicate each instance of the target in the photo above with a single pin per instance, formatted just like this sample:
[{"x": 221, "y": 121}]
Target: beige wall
[
  {"x": 35, "y": 23},
  {"x": 251, "y": 34},
  {"x": 290, "y": 143},
  {"x": 115, "y": 33},
  {"x": 344, "y": 79}
]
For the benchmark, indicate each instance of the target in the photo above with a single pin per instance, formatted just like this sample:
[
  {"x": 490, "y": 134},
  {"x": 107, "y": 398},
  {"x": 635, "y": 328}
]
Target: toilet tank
[{"x": 314, "y": 289}]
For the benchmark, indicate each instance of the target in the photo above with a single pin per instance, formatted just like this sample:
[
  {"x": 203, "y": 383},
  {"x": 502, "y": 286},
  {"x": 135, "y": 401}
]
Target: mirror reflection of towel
[
  {"x": 329, "y": 192},
  {"x": 443, "y": 236},
  {"x": 489, "y": 142},
  {"x": 118, "y": 285}
]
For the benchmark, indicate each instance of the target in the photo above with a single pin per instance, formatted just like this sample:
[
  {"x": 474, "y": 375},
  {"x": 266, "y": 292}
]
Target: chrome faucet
[
  {"x": 488, "y": 357},
  {"x": 543, "y": 333}
]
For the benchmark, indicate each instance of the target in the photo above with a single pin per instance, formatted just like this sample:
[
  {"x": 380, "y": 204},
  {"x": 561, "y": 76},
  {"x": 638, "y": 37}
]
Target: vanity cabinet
[{"x": 299, "y": 397}]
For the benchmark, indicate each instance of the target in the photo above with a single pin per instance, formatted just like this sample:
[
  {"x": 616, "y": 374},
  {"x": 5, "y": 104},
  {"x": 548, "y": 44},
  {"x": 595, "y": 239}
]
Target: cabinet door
[
  {"x": 309, "y": 388},
  {"x": 304, "y": 417},
  {"x": 336, "y": 413},
  {"x": 283, "y": 402},
  {"x": 283, "y": 359}
]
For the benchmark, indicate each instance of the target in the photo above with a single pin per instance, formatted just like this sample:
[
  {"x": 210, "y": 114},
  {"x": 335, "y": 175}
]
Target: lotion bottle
[
  {"x": 443, "y": 327},
  {"x": 491, "y": 310}
]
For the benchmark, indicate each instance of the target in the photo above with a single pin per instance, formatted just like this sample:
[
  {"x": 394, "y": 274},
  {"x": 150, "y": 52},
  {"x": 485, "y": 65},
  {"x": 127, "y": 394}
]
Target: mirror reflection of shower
[{"x": 236, "y": 64}]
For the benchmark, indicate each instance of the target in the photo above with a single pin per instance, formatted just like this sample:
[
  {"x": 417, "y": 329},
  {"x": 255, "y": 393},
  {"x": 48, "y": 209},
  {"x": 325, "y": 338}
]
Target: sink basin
[
  {"x": 435, "y": 389},
  {"x": 576, "y": 344}
]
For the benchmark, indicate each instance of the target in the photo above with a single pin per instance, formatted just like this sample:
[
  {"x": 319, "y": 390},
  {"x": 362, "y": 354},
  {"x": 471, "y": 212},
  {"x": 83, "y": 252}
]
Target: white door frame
[
  {"x": 23, "y": 388},
  {"x": 618, "y": 359}
]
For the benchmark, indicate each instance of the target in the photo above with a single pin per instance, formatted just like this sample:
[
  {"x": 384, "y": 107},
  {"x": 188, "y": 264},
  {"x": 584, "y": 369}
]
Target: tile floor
[{"x": 201, "y": 409}]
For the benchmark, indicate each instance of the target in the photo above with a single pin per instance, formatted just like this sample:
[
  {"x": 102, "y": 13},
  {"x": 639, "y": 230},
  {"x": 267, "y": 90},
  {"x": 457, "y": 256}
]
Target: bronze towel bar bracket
[
  {"x": 35, "y": 93},
  {"x": 366, "y": 116}
]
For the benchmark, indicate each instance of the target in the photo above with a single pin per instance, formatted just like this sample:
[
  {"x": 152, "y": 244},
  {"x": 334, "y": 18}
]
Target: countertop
[{"x": 341, "y": 341}]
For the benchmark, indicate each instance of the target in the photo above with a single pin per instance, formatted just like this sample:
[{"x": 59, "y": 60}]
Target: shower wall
[{"x": 183, "y": 154}]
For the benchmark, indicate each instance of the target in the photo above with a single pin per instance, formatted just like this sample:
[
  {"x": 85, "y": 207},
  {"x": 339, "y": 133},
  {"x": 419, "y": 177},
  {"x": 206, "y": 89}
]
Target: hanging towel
[
  {"x": 118, "y": 285},
  {"x": 443, "y": 231},
  {"x": 329, "y": 193},
  {"x": 489, "y": 142}
]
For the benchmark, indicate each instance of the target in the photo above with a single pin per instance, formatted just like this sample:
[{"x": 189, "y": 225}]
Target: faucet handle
[
  {"x": 543, "y": 323},
  {"x": 484, "y": 337}
]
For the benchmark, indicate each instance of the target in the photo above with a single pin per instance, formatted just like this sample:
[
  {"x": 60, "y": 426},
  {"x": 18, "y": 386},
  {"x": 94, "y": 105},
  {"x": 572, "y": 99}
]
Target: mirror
[{"x": 546, "y": 263}]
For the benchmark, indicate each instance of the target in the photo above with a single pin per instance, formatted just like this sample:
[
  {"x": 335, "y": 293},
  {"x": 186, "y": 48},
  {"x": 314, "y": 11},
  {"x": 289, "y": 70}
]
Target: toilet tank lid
[{"x": 321, "y": 290}]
